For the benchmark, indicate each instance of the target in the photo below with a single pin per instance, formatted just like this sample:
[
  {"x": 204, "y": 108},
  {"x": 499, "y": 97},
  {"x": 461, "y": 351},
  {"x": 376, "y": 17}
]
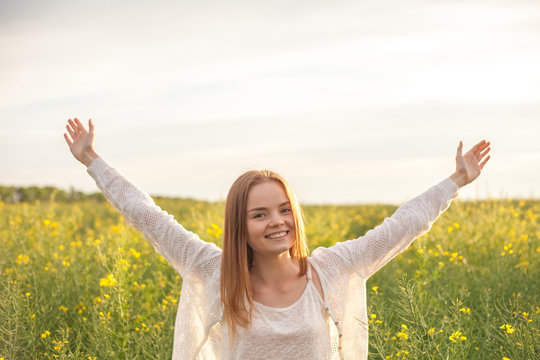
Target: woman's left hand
[{"x": 470, "y": 165}]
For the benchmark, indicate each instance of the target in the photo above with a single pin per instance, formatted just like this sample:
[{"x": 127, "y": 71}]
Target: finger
[
  {"x": 71, "y": 132},
  {"x": 478, "y": 146},
  {"x": 81, "y": 127},
  {"x": 484, "y": 162},
  {"x": 91, "y": 126},
  {"x": 74, "y": 128},
  {"x": 459, "y": 152},
  {"x": 483, "y": 146},
  {"x": 69, "y": 142},
  {"x": 479, "y": 152},
  {"x": 485, "y": 152}
]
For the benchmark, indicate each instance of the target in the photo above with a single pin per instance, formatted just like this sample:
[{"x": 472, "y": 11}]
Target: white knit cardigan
[{"x": 343, "y": 268}]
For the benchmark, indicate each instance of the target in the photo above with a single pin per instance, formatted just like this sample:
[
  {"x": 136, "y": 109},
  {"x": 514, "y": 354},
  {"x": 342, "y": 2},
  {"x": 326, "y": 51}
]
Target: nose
[{"x": 276, "y": 220}]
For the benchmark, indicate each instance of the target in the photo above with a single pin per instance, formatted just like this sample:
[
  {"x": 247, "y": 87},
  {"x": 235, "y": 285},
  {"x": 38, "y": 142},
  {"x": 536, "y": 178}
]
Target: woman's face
[{"x": 270, "y": 220}]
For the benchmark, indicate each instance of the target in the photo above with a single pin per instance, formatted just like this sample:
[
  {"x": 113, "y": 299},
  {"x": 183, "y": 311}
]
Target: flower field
[{"x": 77, "y": 283}]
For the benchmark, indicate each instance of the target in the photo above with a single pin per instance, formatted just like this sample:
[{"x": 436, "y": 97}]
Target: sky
[{"x": 351, "y": 101}]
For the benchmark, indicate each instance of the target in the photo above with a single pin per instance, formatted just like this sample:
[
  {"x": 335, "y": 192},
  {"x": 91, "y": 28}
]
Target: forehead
[{"x": 266, "y": 194}]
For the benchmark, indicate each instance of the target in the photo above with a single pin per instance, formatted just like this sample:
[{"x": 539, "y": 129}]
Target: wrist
[
  {"x": 459, "y": 179},
  {"x": 88, "y": 158}
]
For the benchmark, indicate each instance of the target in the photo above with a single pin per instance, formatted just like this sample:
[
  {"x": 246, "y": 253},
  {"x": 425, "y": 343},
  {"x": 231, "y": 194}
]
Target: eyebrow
[{"x": 263, "y": 208}]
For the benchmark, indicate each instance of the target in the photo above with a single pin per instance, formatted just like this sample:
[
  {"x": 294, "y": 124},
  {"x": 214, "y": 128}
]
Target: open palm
[
  {"x": 80, "y": 140},
  {"x": 470, "y": 165}
]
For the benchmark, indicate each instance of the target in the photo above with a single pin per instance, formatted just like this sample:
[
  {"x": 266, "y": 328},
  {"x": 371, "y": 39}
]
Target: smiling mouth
[{"x": 277, "y": 235}]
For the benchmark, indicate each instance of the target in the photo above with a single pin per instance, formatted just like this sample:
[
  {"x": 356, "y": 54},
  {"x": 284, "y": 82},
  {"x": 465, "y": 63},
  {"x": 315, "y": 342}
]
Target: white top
[
  {"x": 343, "y": 268},
  {"x": 303, "y": 330}
]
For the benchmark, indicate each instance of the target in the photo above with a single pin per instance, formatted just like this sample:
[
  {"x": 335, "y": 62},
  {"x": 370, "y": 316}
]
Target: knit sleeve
[
  {"x": 184, "y": 250},
  {"x": 370, "y": 252}
]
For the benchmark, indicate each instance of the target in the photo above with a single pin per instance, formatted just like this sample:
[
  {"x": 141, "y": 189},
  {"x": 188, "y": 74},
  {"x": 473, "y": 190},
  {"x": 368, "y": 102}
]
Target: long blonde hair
[{"x": 237, "y": 258}]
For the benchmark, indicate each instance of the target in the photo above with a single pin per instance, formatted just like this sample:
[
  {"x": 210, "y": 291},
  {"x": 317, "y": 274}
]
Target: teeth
[{"x": 278, "y": 235}]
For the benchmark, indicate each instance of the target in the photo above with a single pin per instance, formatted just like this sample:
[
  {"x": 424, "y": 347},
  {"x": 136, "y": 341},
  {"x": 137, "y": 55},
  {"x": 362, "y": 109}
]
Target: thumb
[
  {"x": 459, "y": 149},
  {"x": 91, "y": 126}
]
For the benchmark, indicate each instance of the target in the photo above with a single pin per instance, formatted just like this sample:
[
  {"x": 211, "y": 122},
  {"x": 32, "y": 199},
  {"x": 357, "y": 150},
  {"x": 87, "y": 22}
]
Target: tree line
[{"x": 31, "y": 194}]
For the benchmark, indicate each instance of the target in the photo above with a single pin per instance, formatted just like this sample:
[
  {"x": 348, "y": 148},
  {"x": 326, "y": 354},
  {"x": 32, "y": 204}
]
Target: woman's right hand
[{"x": 81, "y": 141}]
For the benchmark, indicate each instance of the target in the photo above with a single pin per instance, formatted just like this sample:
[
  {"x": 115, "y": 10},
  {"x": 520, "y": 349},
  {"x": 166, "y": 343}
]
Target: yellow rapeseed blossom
[
  {"x": 135, "y": 253},
  {"x": 45, "y": 334},
  {"x": 137, "y": 286},
  {"x": 465, "y": 310},
  {"x": 108, "y": 281},
  {"x": 22, "y": 259},
  {"x": 402, "y": 335},
  {"x": 214, "y": 230},
  {"x": 508, "y": 328},
  {"x": 457, "y": 336}
]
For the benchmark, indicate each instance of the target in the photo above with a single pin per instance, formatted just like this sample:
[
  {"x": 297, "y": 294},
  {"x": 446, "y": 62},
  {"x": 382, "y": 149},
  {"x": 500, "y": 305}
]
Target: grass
[{"x": 78, "y": 283}]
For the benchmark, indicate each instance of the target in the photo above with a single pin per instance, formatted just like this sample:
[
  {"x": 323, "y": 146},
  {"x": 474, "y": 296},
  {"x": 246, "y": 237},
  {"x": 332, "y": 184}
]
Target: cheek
[
  {"x": 290, "y": 222},
  {"x": 254, "y": 230}
]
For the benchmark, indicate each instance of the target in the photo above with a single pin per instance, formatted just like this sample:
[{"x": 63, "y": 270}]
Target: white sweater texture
[{"x": 343, "y": 268}]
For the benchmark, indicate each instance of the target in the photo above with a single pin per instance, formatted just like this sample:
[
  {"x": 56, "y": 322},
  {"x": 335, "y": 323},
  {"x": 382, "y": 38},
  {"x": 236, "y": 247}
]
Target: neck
[{"x": 274, "y": 271}]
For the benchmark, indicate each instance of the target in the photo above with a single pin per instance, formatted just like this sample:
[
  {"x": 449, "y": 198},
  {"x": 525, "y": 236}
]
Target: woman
[{"x": 262, "y": 297}]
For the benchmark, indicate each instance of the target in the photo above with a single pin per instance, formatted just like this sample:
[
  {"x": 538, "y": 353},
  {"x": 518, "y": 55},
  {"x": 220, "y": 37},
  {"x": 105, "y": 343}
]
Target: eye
[
  {"x": 257, "y": 216},
  {"x": 286, "y": 210}
]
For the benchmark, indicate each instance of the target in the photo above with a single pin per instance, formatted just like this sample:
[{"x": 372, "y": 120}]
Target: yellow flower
[
  {"x": 22, "y": 259},
  {"x": 402, "y": 335},
  {"x": 457, "y": 336},
  {"x": 431, "y": 331},
  {"x": 108, "y": 281},
  {"x": 135, "y": 253},
  {"x": 465, "y": 310},
  {"x": 505, "y": 358},
  {"x": 45, "y": 334},
  {"x": 508, "y": 328}
]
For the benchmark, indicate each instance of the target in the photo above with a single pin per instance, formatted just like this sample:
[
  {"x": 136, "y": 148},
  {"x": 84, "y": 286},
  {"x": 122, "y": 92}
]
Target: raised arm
[
  {"x": 370, "y": 252},
  {"x": 181, "y": 248}
]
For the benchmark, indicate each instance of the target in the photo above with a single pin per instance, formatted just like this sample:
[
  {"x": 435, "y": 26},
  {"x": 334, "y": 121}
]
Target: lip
[{"x": 277, "y": 232}]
